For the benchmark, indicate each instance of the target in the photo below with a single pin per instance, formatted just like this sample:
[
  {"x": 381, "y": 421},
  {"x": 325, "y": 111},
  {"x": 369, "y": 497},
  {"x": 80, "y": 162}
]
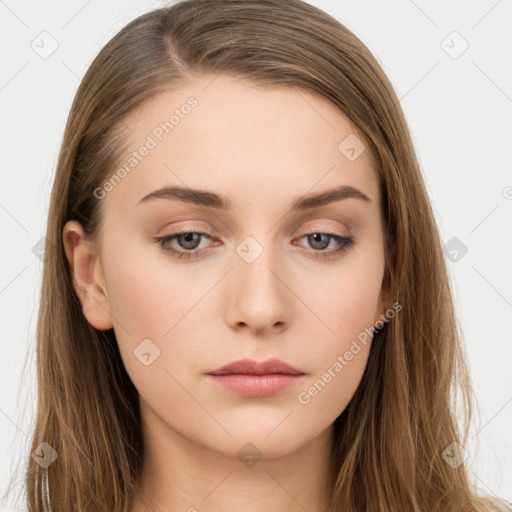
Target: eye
[
  {"x": 189, "y": 242},
  {"x": 320, "y": 241}
]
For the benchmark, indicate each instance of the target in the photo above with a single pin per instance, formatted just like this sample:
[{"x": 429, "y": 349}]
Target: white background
[{"x": 460, "y": 114}]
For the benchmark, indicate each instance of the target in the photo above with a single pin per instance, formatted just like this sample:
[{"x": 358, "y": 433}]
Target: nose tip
[{"x": 258, "y": 298}]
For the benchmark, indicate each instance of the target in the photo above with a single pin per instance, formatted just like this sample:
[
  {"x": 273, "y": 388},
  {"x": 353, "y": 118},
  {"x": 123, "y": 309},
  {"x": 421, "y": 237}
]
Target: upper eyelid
[
  {"x": 180, "y": 231},
  {"x": 204, "y": 228},
  {"x": 191, "y": 229}
]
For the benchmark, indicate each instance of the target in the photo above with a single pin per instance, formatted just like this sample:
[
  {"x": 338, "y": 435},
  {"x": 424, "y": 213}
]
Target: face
[{"x": 190, "y": 286}]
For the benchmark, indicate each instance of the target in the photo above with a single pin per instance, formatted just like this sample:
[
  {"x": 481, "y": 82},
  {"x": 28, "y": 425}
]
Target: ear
[
  {"x": 385, "y": 302},
  {"x": 88, "y": 279},
  {"x": 386, "y": 294}
]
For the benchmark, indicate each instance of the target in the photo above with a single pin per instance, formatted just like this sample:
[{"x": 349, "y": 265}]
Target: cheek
[
  {"x": 151, "y": 331},
  {"x": 151, "y": 299},
  {"x": 346, "y": 305},
  {"x": 345, "y": 311},
  {"x": 327, "y": 394},
  {"x": 339, "y": 357},
  {"x": 147, "y": 293}
]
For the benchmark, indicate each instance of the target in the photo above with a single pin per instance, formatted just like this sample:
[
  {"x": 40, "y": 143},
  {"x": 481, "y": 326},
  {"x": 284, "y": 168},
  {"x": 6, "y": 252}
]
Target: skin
[{"x": 263, "y": 148}]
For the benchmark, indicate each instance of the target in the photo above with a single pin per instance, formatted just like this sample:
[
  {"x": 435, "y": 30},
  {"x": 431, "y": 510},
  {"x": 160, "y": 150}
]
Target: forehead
[{"x": 247, "y": 141}]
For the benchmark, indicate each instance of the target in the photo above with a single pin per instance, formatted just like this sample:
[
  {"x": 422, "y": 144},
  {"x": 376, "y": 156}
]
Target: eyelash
[{"x": 346, "y": 243}]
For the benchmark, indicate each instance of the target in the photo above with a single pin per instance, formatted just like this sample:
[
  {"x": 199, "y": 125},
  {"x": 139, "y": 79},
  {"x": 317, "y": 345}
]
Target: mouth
[{"x": 255, "y": 379}]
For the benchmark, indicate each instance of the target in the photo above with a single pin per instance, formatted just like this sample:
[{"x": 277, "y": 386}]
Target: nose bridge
[{"x": 258, "y": 296}]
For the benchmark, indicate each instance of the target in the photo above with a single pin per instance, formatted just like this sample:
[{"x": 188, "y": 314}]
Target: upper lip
[{"x": 252, "y": 367}]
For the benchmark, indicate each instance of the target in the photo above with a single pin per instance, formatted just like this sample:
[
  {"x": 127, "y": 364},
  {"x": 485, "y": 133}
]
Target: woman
[{"x": 245, "y": 303}]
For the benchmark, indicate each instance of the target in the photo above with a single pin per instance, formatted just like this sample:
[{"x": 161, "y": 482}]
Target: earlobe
[{"x": 87, "y": 273}]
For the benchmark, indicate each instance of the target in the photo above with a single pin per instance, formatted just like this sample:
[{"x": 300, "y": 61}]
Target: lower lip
[{"x": 256, "y": 386}]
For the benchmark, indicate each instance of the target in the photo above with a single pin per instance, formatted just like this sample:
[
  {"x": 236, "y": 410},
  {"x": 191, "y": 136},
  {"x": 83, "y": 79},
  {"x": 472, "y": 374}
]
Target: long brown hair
[{"x": 390, "y": 439}]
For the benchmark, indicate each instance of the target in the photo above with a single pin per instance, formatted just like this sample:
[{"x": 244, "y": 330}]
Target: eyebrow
[{"x": 213, "y": 200}]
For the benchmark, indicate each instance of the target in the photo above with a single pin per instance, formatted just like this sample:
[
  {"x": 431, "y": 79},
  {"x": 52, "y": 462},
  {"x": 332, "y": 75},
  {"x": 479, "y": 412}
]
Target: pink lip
[
  {"x": 256, "y": 379},
  {"x": 252, "y": 367}
]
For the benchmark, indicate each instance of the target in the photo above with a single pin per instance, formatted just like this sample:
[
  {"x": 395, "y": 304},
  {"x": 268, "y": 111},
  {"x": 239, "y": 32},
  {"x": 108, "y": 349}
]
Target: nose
[{"x": 258, "y": 298}]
